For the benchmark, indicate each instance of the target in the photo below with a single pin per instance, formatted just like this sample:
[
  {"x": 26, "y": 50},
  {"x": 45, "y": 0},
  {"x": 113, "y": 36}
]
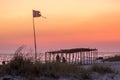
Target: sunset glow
[{"x": 69, "y": 23}]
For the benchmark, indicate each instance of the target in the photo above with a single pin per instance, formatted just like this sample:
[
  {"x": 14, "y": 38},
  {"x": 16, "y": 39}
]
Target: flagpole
[{"x": 35, "y": 45}]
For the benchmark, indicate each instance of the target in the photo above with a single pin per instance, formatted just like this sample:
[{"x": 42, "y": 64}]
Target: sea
[{"x": 7, "y": 56}]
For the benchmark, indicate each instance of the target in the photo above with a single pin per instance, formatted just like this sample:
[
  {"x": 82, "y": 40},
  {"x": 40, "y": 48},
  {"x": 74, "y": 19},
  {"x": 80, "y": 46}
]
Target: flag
[{"x": 36, "y": 13}]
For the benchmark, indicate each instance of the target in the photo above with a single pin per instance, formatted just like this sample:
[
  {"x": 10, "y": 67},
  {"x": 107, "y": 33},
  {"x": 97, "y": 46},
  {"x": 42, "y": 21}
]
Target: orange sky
[{"x": 69, "y": 24}]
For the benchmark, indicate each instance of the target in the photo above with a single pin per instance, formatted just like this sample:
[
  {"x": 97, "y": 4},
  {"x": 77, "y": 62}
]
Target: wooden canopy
[{"x": 74, "y": 50}]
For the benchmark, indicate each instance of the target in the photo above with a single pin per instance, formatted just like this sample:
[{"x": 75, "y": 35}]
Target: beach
[
  {"x": 115, "y": 66},
  {"x": 113, "y": 76}
]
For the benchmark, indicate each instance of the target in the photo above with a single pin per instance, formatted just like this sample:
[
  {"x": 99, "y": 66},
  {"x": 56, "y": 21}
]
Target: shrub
[
  {"x": 114, "y": 58},
  {"x": 23, "y": 66},
  {"x": 18, "y": 66},
  {"x": 101, "y": 69}
]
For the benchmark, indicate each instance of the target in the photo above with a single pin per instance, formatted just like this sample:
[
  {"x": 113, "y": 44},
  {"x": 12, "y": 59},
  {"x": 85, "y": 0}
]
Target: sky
[{"x": 69, "y": 24}]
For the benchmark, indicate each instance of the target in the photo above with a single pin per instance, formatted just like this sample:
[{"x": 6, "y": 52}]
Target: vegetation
[
  {"x": 101, "y": 69},
  {"x": 24, "y": 66},
  {"x": 114, "y": 58}
]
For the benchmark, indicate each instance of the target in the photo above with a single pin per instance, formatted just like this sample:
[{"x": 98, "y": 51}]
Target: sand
[{"x": 113, "y": 76}]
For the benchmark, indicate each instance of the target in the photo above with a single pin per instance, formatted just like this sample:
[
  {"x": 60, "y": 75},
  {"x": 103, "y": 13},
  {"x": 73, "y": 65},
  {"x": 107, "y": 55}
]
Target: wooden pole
[
  {"x": 53, "y": 57},
  {"x": 75, "y": 58},
  {"x": 69, "y": 57},
  {"x": 80, "y": 57},
  {"x": 83, "y": 57},
  {"x": 89, "y": 57},
  {"x": 66, "y": 56},
  {"x": 45, "y": 57},
  {"x": 97, "y": 55},
  {"x": 35, "y": 45},
  {"x": 72, "y": 57},
  {"x": 49, "y": 57}
]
